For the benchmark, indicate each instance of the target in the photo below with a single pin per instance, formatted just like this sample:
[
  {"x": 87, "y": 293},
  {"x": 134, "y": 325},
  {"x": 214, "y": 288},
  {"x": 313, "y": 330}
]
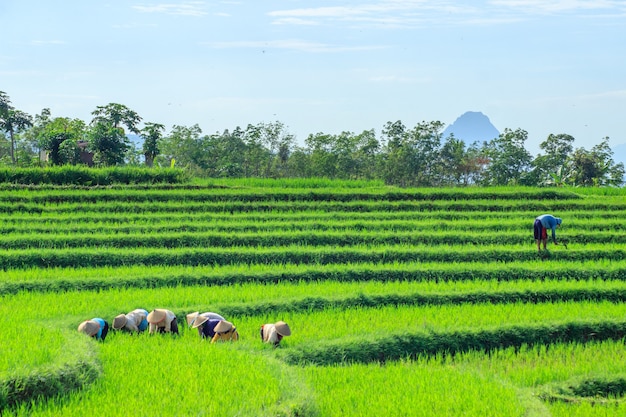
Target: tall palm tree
[{"x": 151, "y": 134}]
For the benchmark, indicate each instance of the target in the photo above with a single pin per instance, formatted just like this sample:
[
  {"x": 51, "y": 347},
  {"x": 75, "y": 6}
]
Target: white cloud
[
  {"x": 292, "y": 44},
  {"x": 335, "y": 12},
  {"x": 411, "y": 13},
  {"x": 555, "y": 6},
  {"x": 295, "y": 21},
  {"x": 619, "y": 94},
  {"x": 189, "y": 8},
  {"x": 393, "y": 14}
]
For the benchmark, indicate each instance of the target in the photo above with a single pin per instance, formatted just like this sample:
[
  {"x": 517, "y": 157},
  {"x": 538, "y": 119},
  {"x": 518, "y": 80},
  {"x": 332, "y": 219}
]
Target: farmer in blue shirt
[
  {"x": 205, "y": 326},
  {"x": 542, "y": 224},
  {"x": 202, "y": 317},
  {"x": 135, "y": 321},
  {"x": 95, "y": 327}
]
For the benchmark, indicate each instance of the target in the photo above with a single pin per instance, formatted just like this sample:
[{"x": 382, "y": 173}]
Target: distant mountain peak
[{"x": 472, "y": 126}]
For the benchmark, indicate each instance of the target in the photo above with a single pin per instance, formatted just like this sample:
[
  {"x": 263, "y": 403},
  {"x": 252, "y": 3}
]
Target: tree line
[{"x": 406, "y": 156}]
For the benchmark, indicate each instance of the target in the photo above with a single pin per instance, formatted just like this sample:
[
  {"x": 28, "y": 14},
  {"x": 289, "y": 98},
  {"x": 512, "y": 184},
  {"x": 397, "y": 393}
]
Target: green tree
[
  {"x": 12, "y": 122},
  {"x": 117, "y": 115},
  {"x": 71, "y": 153},
  {"x": 257, "y": 156},
  {"x": 111, "y": 148},
  {"x": 280, "y": 168},
  {"x": 108, "y": 144},
  {"x": 412, "y": 155},
  {"x": 151, "y": 134},
  {"x": 396, "y": 154},
  {"x": 27, "y": 146},
  {"x": 425, "y": 141},
  {"x": 227, "y": 154},
  {"x": 323, "y": 160},
  {"x": 346, "y": 155},
  {"x": 15, "y": 122},
  {"x": 366, "y": 155},
  {"x": 299, "y": 163},
  {"x": 186, "y": 146},
  {"x": 551, "y": 167},
  {"x": 5, "y": 103},
  {"x": 475, "y": 164},
  {"x": 54, "y": 135},
  {"x": 270, "y": 143},
  {"x": 33, "y": 136},
  {"x": 596, "y": 167},
  {"x": 452, "y": 162},
  {"x": 509, "y": 161}
]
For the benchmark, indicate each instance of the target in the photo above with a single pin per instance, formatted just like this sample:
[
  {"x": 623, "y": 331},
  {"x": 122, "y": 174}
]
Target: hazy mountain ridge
[{"x": 472, "y": 127}]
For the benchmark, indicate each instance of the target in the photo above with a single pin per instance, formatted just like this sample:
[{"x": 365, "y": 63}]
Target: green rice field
[{"x": 401, "y": 302}]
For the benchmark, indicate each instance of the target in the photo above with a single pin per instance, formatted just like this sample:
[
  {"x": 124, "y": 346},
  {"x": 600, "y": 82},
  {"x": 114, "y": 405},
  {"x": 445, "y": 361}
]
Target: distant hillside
[{"x": 472, "y": 127}]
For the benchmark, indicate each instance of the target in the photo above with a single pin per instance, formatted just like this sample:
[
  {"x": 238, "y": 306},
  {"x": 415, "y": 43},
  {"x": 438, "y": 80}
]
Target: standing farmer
[{"x": 542, "y": 224}]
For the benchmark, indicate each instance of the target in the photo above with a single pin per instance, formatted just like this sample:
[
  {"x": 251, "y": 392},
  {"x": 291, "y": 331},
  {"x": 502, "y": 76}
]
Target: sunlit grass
[{"x": 145, "y": 375}]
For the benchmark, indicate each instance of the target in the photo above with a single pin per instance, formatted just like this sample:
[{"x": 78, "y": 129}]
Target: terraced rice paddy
[{"x": 428, "y": 302}]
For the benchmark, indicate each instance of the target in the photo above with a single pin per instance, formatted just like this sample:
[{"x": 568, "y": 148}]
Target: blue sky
[{"x": 545, "y": 66}]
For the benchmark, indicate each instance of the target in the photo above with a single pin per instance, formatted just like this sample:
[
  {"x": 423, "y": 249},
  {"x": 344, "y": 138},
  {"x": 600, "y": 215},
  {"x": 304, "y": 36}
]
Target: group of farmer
[
  {"x": 211, "y": 326},
  {"x": 216, "y": 328}
]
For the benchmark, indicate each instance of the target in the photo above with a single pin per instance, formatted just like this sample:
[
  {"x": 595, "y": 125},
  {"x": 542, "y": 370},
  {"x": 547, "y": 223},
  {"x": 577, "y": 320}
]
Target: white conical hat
[
  {"x": 223, "y": 326},
  {"x": 282, "y": 328}
]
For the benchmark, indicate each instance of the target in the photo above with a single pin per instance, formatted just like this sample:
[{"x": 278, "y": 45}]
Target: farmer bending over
[
  {"x": 162, "y": 321},
  {"x": 273, "y": 333},
  {"x": 95, "y": 327},
  {"x": 201, "y": 318},
  {"x": 224, "y": 332},
  {"x": 135, "y": 321},
  {"x": 205, "y": 326},
  {"x": 542, "y": 224}
]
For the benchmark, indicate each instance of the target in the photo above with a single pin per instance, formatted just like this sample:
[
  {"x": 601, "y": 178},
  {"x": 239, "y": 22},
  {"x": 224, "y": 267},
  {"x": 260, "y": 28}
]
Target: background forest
[{"x": 418, "y": 156}]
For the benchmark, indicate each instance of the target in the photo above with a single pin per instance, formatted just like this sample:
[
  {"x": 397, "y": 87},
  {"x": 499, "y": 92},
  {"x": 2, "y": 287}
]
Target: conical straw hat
[
  {"x": 191, "y": 317},
  {"x": 223, "y": 326},
  {"x": 282, "y": 328},
  {"x": 156, "y": 316},
  {"x": 89, "y": 327},
  {"x": 119, "y": 321},
  {"x": 199, "y": 321}
]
